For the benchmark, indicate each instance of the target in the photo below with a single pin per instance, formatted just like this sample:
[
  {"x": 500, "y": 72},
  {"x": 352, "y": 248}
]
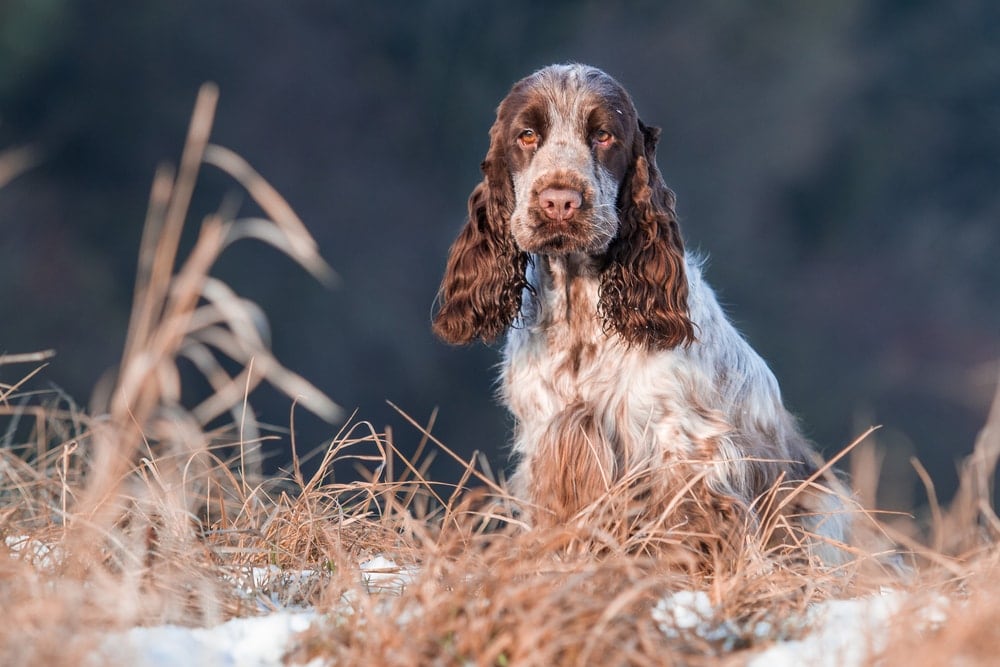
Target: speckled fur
[{"x": 619, "y": 360}]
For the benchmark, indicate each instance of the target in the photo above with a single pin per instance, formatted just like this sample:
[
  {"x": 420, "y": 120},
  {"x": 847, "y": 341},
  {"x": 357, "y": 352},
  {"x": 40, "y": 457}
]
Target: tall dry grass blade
[
  {"x": 26, "y": 357},
  {"x": 937, "y": 518},
  {"x": 809, "y": 482},
  {"x": 947, "y": 563},
  {"x": 169, "y": 203},
  {"x": 493, "y": 486},
  {"x": 143, "y": 308},
  {"x": 251, "y": 456},
  {"x": 301, "y": 245},
  {"x": 190, "y": 314},
  {"x": 974, "y": 497},
  {"x": 20, "y": 383},
  {"x": 865, "y": 468}
]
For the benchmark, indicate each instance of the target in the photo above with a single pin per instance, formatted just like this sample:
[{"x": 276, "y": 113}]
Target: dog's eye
[
  {"x": 603, "y": 138},
  {"x": 527, "y": 138}
]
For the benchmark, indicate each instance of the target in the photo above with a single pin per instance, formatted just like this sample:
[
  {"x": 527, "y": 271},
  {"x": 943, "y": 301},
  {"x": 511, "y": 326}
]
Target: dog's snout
[{"x": 559, "y": 204}]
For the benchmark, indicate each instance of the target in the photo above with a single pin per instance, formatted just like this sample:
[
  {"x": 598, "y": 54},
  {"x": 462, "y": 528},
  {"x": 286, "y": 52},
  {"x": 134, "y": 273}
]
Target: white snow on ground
[
  {"x": 382, "y": 575},
  {"x": 260, "y": 641},
  {"x": 691, "y": 612},
  {"x": 845, "y": 632},
  {"x": 37, "y": 553},
  {"x": 836, "y": 632},
  {"x": 842, "y": 633},
  {"x": 242, "y": 642}
]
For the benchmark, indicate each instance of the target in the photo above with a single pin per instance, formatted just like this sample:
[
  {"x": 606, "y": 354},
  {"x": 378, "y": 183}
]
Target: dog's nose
[{"x": 559, "y": 204}]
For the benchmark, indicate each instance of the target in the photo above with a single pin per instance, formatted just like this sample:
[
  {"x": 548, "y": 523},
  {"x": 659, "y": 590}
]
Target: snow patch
[
  {"x": 39, "y": 554},
  {"x": 837, "y": 633},
  {"x": 691, "y": 612},
  {"x": 845, "y": 633},
  {"x": 382, "y": 575},
  {"x": 243, "y": 642}
]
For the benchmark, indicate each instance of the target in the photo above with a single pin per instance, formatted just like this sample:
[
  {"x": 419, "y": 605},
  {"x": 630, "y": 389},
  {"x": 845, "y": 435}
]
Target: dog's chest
[{"x": 565, "y": 358}]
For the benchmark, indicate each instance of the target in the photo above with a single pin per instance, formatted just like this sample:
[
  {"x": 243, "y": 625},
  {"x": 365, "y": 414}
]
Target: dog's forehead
[{"x": 568, "y": 89}]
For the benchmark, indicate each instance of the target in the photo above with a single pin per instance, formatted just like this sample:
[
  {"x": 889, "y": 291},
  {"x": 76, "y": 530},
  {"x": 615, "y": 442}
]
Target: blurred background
[{"x": 839, "y": 161}]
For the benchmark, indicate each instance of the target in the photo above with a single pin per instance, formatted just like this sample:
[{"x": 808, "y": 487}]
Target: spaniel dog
[{"x": 619, "y": 363}]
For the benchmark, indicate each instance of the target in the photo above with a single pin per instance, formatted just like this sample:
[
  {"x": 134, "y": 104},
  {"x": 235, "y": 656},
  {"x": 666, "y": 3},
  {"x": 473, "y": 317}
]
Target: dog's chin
[
  {"x": 555, "y": 240},
  {"x": 557, "y": 244}
]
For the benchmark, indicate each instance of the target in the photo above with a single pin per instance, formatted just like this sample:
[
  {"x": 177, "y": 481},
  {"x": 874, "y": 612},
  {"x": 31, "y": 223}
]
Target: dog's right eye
[{"x": 527, "y": 138}]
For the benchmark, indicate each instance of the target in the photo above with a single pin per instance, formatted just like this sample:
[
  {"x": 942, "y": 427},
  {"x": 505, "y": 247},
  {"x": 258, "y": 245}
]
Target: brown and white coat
[{"x": 618, "y": 357}]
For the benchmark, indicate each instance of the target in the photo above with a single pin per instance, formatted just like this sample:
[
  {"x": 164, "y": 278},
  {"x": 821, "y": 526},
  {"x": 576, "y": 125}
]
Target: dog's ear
[
  {"x": 644, "y": 287},
  {"x": 480, "y": 295}
]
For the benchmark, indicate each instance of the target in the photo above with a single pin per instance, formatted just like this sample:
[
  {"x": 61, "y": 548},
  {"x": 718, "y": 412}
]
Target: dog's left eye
[{"x": 603, "y": 138}]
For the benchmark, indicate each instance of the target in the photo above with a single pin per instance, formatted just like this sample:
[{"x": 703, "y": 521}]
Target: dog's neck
[{"x": 566, "y": 292}]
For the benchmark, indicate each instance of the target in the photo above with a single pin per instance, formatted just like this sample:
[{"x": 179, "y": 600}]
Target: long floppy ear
[
  {"x": 480, "y": 293},
  {"x": 644, "y": 288}
]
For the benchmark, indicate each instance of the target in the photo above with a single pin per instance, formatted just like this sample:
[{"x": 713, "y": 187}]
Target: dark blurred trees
[{"x": 838, "y": 161}]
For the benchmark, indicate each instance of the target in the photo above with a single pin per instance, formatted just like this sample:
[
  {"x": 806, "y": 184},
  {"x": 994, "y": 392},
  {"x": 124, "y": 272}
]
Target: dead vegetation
[{"x": 145, "y": 510}]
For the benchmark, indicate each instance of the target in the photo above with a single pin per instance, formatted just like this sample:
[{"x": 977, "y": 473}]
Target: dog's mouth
[{"x": 558, "y": 239}]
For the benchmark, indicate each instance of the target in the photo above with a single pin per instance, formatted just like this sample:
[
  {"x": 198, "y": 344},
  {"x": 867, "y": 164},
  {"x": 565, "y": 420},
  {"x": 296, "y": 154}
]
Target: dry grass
[{"x": 144, "y": 510}]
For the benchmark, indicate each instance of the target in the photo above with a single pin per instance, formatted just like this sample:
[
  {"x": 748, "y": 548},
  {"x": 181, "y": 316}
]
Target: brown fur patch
[{"x": 573, "y": 466}]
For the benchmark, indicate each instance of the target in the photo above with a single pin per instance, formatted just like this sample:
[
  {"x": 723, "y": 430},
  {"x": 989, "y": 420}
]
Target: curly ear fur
[
  {"x": 644, "y": 289},
  {"x": 480, "y": 293}
]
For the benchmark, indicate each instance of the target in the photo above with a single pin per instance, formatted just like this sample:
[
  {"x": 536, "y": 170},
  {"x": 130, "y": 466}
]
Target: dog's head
[{"x": 570, "y": 170}]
